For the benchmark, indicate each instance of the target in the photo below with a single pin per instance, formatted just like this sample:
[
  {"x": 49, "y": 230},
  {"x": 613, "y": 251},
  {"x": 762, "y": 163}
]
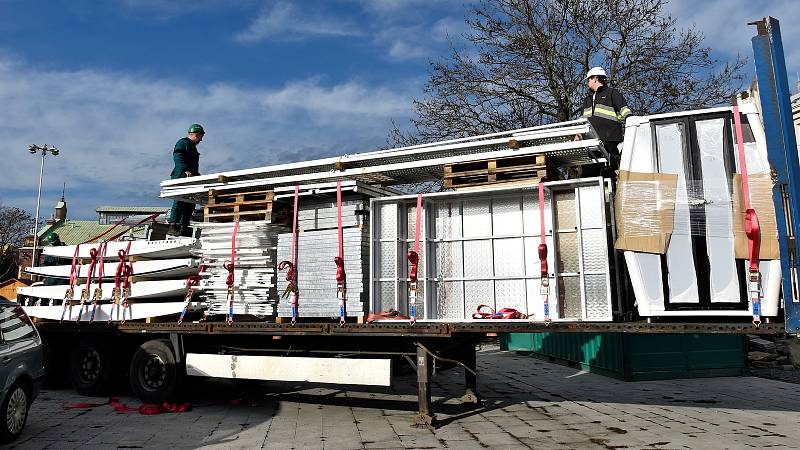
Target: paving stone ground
[{"x": 528, "y": 403}]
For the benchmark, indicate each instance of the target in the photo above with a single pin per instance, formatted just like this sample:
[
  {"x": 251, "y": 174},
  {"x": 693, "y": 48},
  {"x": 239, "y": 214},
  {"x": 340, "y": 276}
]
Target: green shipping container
[{"x": 634, "y": 356}]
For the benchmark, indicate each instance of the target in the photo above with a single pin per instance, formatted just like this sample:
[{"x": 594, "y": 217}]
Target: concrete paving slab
[{"x": 528, "y": 403}]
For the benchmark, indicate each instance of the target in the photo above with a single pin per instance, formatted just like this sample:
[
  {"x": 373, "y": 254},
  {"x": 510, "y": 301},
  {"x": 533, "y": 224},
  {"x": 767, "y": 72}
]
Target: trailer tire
[
  {"x": 154, "y": 373},
  {"x": 91, "y": 365}
]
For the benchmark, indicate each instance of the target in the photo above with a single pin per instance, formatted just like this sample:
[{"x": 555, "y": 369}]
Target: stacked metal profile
[
  {"x": 254, "y": 266},
  {"x": 317, "y": 246}
]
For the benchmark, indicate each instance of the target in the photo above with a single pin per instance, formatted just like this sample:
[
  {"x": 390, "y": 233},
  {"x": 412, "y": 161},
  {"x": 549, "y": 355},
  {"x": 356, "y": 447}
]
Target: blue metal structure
[{"x": 782, "y": 151}]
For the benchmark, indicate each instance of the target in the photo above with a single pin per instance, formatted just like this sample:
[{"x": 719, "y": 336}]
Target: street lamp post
[{"x": 33, "y": 149}]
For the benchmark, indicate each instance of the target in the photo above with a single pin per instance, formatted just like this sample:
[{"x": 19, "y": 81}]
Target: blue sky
[{"x": 114, "y": 83}]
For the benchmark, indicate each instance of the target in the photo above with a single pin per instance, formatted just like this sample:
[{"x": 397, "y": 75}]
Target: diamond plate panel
[
  {"x": 508, "y": 257},
  {"x": 448, "y": 220},
  {"x": 411, "y": 222},
  {"x": 511, "y": 294},
  {"x": 594, "y": 250},
  {"x": 477, "y": 259},
  {"x": 568, "y": 254},
  {"x": 530, "y": 213},
  {"x": 565, "y": 210},
  {"x": 449, "y": 260},
  {"x": 388, "y": 219},
  {"x": 507, "y": 216},
  {"x": 569, "y": 298},
  {"x": 592, "y": 204},
  {"x": 598, "y": 304},
  {"x": 477, "y": 218},
  {"x": 450, "y": 300},
  {"x": 388, "y": 262},
  {"x": 478, "y": 293},
  {"x": 385, "y": 295}
]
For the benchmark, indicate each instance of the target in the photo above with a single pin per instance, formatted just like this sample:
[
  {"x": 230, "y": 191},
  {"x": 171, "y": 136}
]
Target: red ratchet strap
[
  {"x": 95, "y": 238},
  {"x": 144, "y": 409},
  {"x": 413, "y": 258},
  {"x": 120, "y": 275},
  {"x": 149, "y": 218},
  {"x": 543, "y": 270},
  {"x": 291, "y": 273},
  {"x": 126, "y": 283},
  {"x": 751, "y": 225},
  {"x": 230, "y": 266},
  {"x": 98, "y": 292},
  {"x": 341, "y": 277},
  {"x": 74, "y": 273},
  {"x": 505, "y": 313},
  {"x": 191, "y": 283}
]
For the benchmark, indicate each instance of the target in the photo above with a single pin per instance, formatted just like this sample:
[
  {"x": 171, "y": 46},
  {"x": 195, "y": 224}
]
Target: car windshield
[{"x": 15, "y": 324}]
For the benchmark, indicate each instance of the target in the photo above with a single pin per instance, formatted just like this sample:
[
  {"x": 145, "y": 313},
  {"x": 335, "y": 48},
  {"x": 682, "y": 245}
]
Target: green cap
[
  {"x": 53, "y": 238},
  {"x": 196, "y": 128}
]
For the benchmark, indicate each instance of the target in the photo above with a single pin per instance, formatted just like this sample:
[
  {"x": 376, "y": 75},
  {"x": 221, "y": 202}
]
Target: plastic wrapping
[{"x": 651, "y": 208}]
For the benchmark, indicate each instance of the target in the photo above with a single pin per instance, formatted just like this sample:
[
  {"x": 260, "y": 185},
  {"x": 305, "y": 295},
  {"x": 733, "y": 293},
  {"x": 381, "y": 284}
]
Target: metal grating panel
[
  {"x": 507, "y": 216},
  {"x": 448, "y": 220},
  {"x": 478, "y": 259},
  {"x": 597, "y": 305},
  {"x": 449, "y": 260},
  {"x": 388, "y": 259},
  {"x": 511, "y": 294},
  {"x": 569, "y": 298},
  {"x": 388, "y": 221},
  {"x": 508, "y": 257},
  {"x": 450, "y": 300},
  {"x": 385, "y": 295},
  {"x": 478, "y": 293},
  {"x": 591, "y": 206},
  {"x": 565, "y": 210},
  {"x": 477, "y": 218},
  {"x": 568, "y": 253},
  {"x": 594, "y": 250}
]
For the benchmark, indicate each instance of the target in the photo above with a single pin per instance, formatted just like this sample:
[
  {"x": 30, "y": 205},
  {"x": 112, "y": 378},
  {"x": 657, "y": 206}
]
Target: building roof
[
  {"x": 11, "y": 281},
  {"x": 133, "y": 209},
  {"x": 79, "y": 231}
]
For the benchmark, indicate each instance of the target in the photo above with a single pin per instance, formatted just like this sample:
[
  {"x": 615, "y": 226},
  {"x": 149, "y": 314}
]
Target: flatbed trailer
[
  {"x": 158, "y": 351},
  {"x": 156, "y": 356}
]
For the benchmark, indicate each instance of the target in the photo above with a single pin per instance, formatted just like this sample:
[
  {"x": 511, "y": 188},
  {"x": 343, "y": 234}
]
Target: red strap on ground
[
  {"x": 148, "y": 409},
  {"x": 486, "y": 312},
  {"x": 392, "y": 314}
]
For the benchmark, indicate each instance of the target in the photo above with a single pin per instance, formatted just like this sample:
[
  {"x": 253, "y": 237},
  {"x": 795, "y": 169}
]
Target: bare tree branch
[{"x": 527, "y": 59}]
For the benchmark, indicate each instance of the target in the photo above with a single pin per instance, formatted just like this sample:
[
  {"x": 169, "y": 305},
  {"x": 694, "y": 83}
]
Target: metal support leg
[
  {"x": 425, "y": 418},
  {"x": 470, "y": 397}
]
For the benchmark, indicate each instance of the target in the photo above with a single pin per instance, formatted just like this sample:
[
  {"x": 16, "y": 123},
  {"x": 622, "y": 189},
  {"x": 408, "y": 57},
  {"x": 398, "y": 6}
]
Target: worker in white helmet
[{"x": 606, "y": 109}]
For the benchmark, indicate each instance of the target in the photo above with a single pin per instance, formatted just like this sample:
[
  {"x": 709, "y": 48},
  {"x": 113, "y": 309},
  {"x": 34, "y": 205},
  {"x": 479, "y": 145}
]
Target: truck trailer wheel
[
  {"x": 155, "y": 374},
  {"x": 91, "y": 365}
]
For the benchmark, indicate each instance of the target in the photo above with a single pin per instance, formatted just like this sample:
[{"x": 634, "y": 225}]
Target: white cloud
[
  {"x": 116, "y": 131},
  {"x": 285, "y": 21},
  {"x": 724, "y": 23}
]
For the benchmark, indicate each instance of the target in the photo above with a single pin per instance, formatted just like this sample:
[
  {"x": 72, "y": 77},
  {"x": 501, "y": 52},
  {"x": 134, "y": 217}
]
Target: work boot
[
  {"x": 174, "y": 229},
  {"x": 186, "y": 231}
]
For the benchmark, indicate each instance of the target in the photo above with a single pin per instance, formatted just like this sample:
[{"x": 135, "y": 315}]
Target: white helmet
[{"x": 596, "y": 71}]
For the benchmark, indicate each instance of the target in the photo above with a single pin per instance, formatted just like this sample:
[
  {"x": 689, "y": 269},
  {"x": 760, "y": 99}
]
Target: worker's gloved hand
[
  {"x": 187, "y": 173},
  {"x": 577, "y": 137}
]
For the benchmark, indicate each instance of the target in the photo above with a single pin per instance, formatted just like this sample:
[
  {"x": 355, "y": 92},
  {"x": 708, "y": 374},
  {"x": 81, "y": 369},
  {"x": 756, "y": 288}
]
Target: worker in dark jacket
[
  {"x": 606, "y": 109},
  {"x": 187, "y": 161}
]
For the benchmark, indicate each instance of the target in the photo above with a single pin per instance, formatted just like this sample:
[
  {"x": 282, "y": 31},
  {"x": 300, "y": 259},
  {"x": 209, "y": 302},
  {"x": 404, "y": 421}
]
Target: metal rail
[{"x": 419, "y": 330}]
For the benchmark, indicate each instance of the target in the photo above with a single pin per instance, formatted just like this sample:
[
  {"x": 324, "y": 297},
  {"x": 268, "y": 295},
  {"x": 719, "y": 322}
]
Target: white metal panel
[{"x": 367, "y": 372}]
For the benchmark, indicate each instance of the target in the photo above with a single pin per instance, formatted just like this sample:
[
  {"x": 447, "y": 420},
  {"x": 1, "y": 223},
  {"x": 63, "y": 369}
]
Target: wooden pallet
[
  {"x": 224, "y": 207},
  {"x": 496, "y": 171}
]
